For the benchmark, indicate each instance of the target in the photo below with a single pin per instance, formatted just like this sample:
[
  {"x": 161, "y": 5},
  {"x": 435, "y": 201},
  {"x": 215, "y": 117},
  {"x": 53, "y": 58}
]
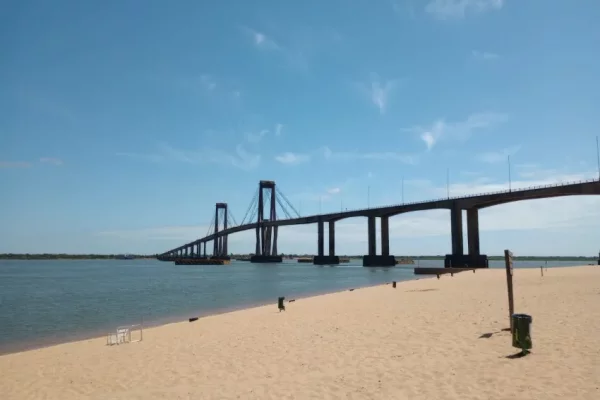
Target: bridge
[{"x": 266, "y": 225}]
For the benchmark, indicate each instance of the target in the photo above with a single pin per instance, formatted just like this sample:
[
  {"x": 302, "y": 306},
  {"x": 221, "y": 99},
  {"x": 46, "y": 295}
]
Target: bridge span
[{"x": 266, "y": 226}]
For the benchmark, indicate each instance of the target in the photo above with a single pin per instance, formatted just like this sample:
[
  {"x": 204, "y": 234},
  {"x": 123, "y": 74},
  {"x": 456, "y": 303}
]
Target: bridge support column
[
  {"x": 473, "y": 231},
  {"x": 332, "y": 238},
  {"x": 321, "y": 258},
  {"x": 372, "y": 249},
  {"x": 385, "y": 236},
  {"x": 473, "y": 258},
  {"x": 456, "y": 228},
  {"x": 385, "y": 259},
  {"x": 320, "y": 238}
]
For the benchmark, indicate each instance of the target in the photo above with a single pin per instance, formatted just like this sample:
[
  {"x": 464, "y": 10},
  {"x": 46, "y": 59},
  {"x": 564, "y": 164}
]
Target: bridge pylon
[
  {"x": 220, "y": 249},
  {"x": 266, "y": 236}
]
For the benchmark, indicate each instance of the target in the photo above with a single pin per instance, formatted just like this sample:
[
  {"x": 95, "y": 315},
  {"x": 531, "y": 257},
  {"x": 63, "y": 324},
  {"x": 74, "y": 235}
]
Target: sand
[{"x": 418, "y": 341}]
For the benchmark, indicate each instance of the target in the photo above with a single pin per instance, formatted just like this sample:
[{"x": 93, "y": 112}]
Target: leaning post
[{"x": 508, "y": 262}]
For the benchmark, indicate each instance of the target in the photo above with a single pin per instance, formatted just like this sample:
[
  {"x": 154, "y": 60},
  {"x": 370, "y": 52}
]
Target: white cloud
[
  {"x": 142, "y": 157},
  {"x": 292, "y": 158},
  {"x": 255, "y": 137},
  {"x": 328, "y": 154},
  {"x": 239, "y": 158},
  {"x": 261, "y": 40},
  {"x": 278, "y": 129},
  {"x": 51, "y": 160},
  {"x": 380, "y": 92},
  {"x": 334, "y": 190},
  {"x": 493, "y": 157},
  {"x": 459, "y": 130},
  {"x": 457, "y": 9},
  {"x": 484, "y": 55}
]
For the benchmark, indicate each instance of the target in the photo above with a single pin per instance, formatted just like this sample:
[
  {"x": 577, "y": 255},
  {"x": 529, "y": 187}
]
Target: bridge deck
[{"x": 589, "y": 187}]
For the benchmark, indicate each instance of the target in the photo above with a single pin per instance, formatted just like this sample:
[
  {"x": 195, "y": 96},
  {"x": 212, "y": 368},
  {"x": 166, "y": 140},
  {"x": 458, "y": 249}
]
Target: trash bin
[
  {"x": 521, "y": 331},
  {"x": 280, "y": 303},
  {"x": 394, "y": 284}
]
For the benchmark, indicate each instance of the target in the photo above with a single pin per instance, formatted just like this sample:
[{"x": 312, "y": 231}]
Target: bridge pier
[
  {"x": 321, "y": 258},
  {"x": 266, "y": 235},
  {"x": 458, "y": 259},
  {"x": 372, "y": 259}
]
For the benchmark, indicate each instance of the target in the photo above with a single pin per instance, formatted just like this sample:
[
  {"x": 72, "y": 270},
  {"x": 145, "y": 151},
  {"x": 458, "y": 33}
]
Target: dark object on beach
[
  {"x": 351, "y": 289},
  {"x": 508, "y": 262},
  {"x": 291, "y": 301},
  {"x": 193, "y": 319},
  {"x": 280, "y": 304},
  {"x": 521, "y": 332},
  {"x": 394, "y": 284}
]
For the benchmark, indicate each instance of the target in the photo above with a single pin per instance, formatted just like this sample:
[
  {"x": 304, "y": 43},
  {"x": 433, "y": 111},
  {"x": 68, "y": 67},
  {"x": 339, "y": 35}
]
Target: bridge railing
[{"x": 465, "y": 196}]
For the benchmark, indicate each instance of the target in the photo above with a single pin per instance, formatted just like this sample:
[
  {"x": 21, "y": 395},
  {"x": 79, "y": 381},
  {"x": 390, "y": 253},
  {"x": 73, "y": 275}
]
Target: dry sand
[{"x": 418, "y": 341}]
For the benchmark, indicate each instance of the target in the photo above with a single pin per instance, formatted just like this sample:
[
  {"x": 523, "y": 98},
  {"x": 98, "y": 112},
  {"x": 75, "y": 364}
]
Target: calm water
[{"x": 44, "y": 302}]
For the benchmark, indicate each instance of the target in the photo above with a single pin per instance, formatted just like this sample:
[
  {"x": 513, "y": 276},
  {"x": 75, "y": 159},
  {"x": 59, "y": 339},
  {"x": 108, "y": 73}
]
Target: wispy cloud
[
  {"x": 484, "y": 55},
  {"x": 457, "y": 9},
  {"x": 51, "y": 160},
  {"x": 278, "y": 129},
  {"x": 141, "y": 156},
  {"x": 261, "y": 40},
  {"x": 334, "y": 190},
  {"x": 255, "y": 137},
  {"x": 493, "y": 157},
  {"x": 380, "y": 91},
  {"x": 289, "y": 158},
  {"x": 240, "y": 157},
  {"x": 14, "y": 164},
  {"x": 459, "y": 130},
  {"x": 208, "y": 82},
  {"x": 328, "y": 154}
]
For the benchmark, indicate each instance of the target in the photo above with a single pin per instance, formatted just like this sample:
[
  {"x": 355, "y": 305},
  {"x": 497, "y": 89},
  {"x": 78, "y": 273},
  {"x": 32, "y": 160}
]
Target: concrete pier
[
  {"x": 385, "y": 259},
  {"x": 379, "y": 261},
  {"x": 266, "y": 259},
  {"x": 326, "y": 260},
  {"x": 458, "y": 259}
]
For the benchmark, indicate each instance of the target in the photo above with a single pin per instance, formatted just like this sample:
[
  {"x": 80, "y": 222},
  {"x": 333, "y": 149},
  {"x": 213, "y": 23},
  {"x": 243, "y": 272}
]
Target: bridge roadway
[{"x": 454, "y": 204}]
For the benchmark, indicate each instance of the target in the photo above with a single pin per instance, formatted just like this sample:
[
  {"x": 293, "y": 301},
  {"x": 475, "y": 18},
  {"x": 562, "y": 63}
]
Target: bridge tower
[
  {"x": 266, "y": 236},
  {"x": 220, "y": 243}
]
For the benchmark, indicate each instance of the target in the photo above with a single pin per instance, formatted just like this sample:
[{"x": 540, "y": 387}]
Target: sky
[{"x": 123, "y": 122}]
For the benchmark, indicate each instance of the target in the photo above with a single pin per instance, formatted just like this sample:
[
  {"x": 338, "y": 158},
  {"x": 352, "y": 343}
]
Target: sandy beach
[{"x": 422, "y": 340}]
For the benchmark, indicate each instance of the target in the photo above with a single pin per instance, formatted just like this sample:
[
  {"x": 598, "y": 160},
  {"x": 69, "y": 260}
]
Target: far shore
[
  {"x": 426, "y": 339},
  {"x": 62, "y": 256}
]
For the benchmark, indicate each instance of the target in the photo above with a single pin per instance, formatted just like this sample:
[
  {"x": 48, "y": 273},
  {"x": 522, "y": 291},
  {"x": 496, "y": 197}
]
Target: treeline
[{"x": 64, "y": 256}]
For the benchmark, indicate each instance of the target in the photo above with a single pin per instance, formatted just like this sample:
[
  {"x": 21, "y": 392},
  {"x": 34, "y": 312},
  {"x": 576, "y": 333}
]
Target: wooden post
[{"x": 508, "y": 261}]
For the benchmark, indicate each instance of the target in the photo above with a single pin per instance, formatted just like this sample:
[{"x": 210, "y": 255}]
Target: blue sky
[{"x": 122, "y": 123}]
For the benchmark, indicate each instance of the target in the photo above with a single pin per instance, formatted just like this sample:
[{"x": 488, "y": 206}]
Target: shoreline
[
  {"x": 22, "y": 347},
  {"x": 92, "y": 334}
]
